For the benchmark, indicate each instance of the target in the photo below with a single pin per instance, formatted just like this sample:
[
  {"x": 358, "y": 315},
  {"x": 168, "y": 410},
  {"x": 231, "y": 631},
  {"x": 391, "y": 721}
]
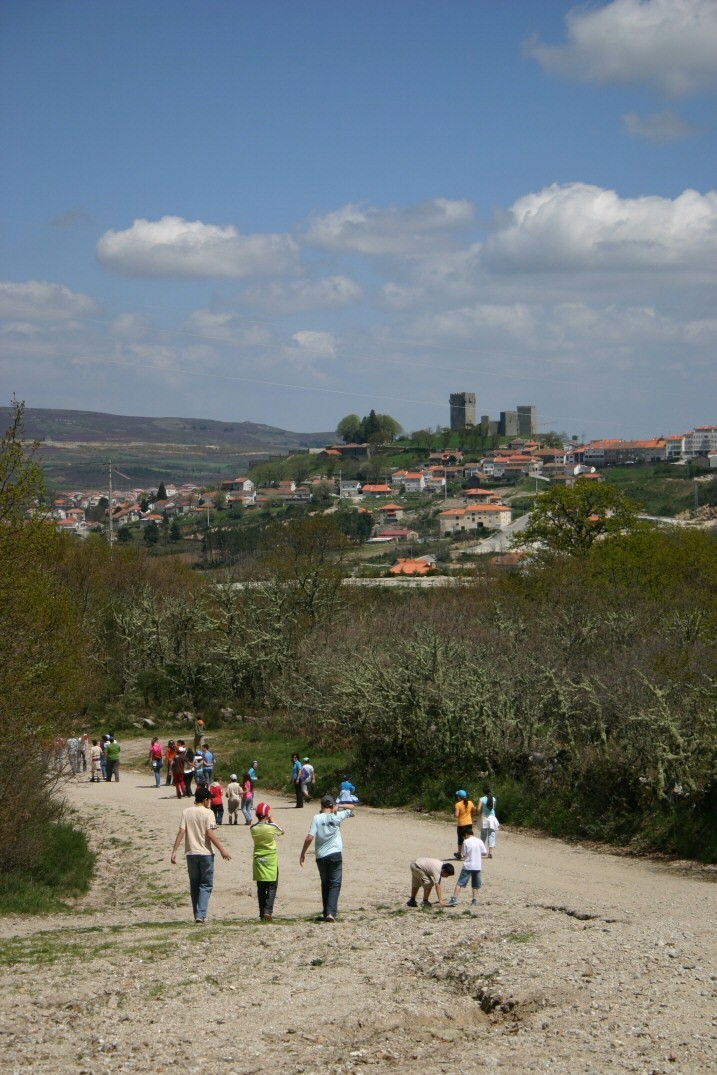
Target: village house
[
  {"x": 408, "y": 566},
  {"x": 376, "y": 490},
  {"x": 238, "y": 485},
  {"x": 391, "y": 513},
  {"x": 474, "y": 517},
  {"x": 412, "y": 481},
  {"x": 349, "y": 489}
]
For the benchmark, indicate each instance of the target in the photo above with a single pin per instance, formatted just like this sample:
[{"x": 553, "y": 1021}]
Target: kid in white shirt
[{"x": 472, "y": 853}]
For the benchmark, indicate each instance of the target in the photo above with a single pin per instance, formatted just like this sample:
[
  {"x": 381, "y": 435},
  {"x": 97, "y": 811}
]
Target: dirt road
[{"x": 574, "y": 960}]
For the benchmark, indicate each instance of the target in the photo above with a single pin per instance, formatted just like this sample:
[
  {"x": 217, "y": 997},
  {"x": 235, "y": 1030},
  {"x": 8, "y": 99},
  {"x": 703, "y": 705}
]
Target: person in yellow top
[{"x": 465, "y": 812}]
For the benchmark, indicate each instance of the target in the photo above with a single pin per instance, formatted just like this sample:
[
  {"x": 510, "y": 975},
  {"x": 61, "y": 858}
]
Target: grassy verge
[{"x": 63, "y": 868}]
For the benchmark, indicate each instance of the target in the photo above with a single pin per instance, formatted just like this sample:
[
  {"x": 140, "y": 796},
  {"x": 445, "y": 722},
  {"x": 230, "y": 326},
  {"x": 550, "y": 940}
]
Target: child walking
[
  {"x": 247, "y": 798},
  {"x": 217, "y": 793},
  {"x": 264, "y": 832}
]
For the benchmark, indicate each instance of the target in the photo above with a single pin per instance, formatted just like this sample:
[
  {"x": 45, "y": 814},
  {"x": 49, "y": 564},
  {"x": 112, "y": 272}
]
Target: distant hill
[{"x": 76, "y": 444}]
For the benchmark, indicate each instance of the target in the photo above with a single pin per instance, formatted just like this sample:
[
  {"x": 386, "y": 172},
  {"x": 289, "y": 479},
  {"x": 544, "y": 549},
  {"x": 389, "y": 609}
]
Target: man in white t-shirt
[{"x": 197, "y": 830}]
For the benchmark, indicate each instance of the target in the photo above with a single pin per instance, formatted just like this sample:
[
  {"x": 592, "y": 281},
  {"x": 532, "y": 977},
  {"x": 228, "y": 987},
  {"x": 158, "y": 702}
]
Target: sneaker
[
  {"x": 456, "y": 854},
  {"x": 411, "y": 902},
  {"x": 329, "y": 918},
  {"x": 453, "y": 901},
  {"x": 474, "y": 903},
  {"x": 267, "y": 916},
  {"x": 426, "y": 903},
  {"x": 200, "y": 921}
]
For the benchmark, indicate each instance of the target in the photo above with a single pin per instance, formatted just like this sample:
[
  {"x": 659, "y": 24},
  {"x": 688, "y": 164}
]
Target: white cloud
[
  {"x": 660, "y": 127},
  {"x": 330, "y": 292},
  {"x": 671, "y": 44},
  {"x": 315, "y": 344},
  {"x": 577, "y": 226},
  {"x": 35, "y": 300},
  {"x": 227, "y": 328},
  {"x": 373, "y": 231},
  {"x": 182, "y": 248},
  {"x": 131, "y": 326}
]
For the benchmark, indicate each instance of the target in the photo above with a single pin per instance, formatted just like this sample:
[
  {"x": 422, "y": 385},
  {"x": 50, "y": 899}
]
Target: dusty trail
[{"x": 574, "y": 961}]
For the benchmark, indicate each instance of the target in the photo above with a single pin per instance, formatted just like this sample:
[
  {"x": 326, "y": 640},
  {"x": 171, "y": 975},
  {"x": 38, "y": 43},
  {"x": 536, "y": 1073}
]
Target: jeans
[
  {"x": 266, "y": 892},
  {"x": 330, "y": 871},
  {"x": 188, "y": 778},
  {"x": 208, "y": 774},
  {"x": 201, "y": 882},
  {"x": 218, "y": 812},
  {"x": 157, "y": 766},
  {"x": 246, "y": 807},
  {"x": 112, "y": 769},
  {"x": 299, "y": 794}
]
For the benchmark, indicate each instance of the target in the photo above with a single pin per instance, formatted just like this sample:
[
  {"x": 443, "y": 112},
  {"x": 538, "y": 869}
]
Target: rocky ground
[{"x": 575, "y": 960}]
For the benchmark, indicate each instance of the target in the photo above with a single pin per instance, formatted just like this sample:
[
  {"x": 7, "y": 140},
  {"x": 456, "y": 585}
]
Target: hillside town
[{"x": 442, "y": 475}]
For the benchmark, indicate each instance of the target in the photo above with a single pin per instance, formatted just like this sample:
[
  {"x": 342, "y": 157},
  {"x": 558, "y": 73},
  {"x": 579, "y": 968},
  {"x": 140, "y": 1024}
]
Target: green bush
[{"x": 62, "y": 868}]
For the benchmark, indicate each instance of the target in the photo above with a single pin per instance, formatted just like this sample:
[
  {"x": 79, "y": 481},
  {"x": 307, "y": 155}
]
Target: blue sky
[{"x": 284, "y": 212}]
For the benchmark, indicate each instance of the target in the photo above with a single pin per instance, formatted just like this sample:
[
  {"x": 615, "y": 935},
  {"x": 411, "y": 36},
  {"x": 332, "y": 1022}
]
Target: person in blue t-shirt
[{"x": 325, "y": 829}]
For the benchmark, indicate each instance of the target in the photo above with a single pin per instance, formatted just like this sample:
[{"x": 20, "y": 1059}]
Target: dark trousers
[
  {"x": 266, "y": 893},
  {"x": 299, "y": 794},
  {"x": 331, "y": 872},
  {"x": 188, "y": 778},
  {"x": 112, "y": 770},
  {"x": 464, "y": 831}
]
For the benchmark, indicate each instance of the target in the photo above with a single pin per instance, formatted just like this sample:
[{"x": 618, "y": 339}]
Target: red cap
[{"x": 263, "y": 810}]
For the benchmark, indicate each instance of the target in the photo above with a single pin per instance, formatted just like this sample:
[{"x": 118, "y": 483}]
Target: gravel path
[{"x": 576, "y": 960}]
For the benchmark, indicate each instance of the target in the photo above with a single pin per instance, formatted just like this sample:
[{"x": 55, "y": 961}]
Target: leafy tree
[
  {"x": 43, "y": 651},
  {"x": 357, "y": 525},
  {"x": 151, "y": 533},
  {"x": 175, "y": 531},
  {"x": 144, "y": 504},
  {"x": 348, "y": 428},
  {"x": 124, "y": 535},
  {"x": 552, "y": 439},
  {"x": 572, "y": 519},
  {"x": 161, "y": 492}
]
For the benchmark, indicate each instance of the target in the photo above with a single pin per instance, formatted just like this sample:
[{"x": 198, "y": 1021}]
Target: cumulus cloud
[
  {"x": 173, "y": 247},
  {"x": 369, "y": 230},
  {"x": 660, "y": 127},
  {"x": 35, "y": 300},
  {"x": 330, "y": 292},
  {"x": 578, "y": 226},
  {"x": 316, "y": 344},
  {"x": 670, "y": 44}
]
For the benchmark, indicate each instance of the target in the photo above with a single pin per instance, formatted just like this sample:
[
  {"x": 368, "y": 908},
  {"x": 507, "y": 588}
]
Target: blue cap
[{"x": 462, "y": 794}]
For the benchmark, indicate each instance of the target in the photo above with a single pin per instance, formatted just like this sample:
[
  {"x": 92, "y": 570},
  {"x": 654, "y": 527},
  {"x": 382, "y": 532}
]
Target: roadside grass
[{"x": 62, "y": 869}]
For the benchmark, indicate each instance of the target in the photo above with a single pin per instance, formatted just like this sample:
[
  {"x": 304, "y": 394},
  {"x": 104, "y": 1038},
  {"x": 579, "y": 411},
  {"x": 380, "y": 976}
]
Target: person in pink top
[
  {"x": 156, "y": 754},
  {"x": 217, "y": 793}
]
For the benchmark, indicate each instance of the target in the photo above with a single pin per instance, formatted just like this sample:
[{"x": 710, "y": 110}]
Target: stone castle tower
[{"x": 463, "y": 409}]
